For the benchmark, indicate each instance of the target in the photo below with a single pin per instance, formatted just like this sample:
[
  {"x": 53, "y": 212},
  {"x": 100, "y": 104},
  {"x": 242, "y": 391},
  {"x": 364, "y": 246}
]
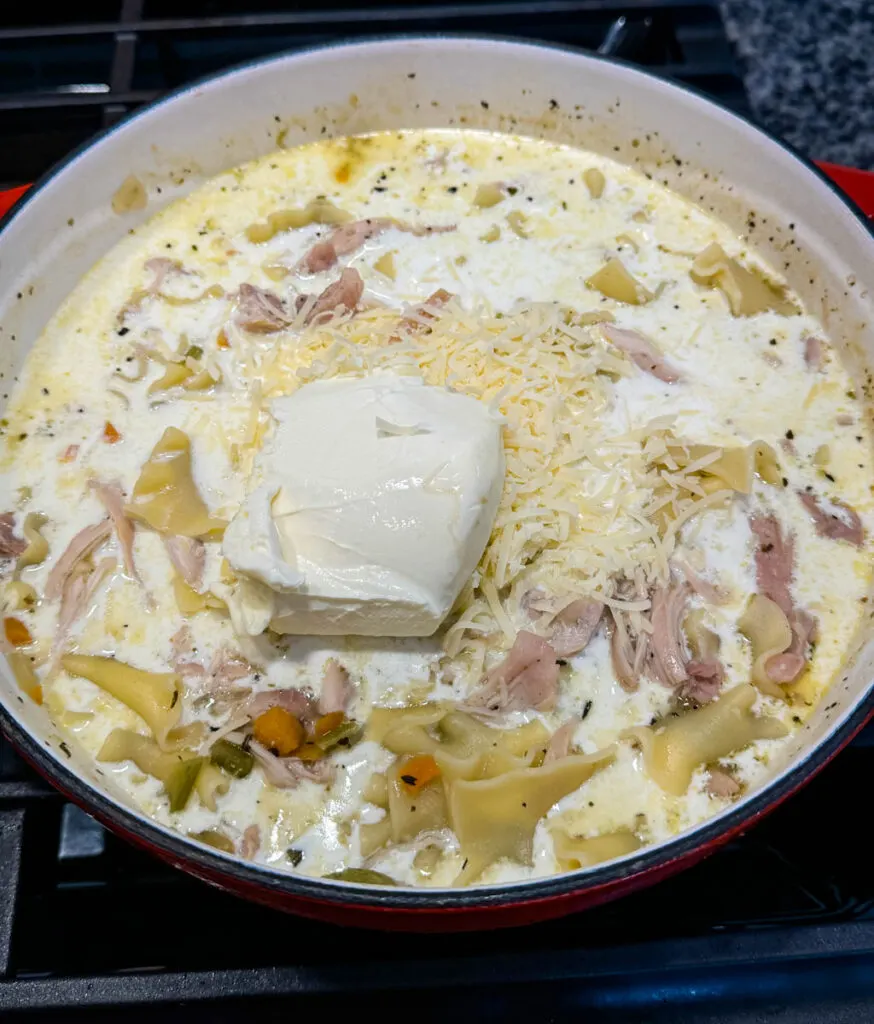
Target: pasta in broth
[{"x": 672, "y": 575}]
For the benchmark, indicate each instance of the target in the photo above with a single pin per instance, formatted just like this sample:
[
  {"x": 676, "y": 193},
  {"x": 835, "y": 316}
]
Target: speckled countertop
[{"x": 809, "y": 71}]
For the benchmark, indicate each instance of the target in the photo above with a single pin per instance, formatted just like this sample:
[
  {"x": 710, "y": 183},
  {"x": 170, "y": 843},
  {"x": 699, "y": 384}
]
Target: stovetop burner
[{"x": 777, "y": 926}]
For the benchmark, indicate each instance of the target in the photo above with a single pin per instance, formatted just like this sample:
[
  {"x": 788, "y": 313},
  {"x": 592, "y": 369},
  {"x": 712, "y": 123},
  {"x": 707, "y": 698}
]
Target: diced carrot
[
  {"x": 110, "y": 434},
  {"x": 16, "y": 632},
  {"x": 327, "y": 723},
  {"x": 279, "y": 731},
  {"x": 418, "y": 771},
  {"x": 69, "y": 453},
  {"x": 222, "y": 340}
]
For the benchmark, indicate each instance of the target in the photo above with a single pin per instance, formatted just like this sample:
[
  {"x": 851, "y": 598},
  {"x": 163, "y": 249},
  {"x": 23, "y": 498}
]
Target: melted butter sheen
[{"x": 539, "y": 236}]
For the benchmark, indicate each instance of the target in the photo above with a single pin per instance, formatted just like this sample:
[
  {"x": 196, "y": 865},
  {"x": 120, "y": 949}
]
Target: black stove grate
[
  {"x": 62, "y": 83},
  {"x": 777, "y": 926}
]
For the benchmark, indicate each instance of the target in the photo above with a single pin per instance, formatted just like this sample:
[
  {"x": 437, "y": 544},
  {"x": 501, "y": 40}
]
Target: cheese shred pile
[{"x": 576, "y": 510}]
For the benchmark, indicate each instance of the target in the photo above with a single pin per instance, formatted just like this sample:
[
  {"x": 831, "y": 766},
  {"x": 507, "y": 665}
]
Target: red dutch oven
[{"x": 800, "y": 222}]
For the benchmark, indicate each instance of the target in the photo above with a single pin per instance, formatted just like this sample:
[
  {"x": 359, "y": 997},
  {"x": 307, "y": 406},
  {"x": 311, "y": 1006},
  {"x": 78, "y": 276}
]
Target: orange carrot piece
[
  {"x": 16, "y": 632},
  {"x": 110, "y": 434},
  {"x": 418, "y": 771},
  {"x": 279, "y": 731},
  {"x": 327, "y": 723}
]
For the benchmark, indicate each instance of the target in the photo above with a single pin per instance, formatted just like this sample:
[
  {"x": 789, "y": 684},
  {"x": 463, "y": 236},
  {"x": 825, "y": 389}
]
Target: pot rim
[{"x": 187, "y": 853}]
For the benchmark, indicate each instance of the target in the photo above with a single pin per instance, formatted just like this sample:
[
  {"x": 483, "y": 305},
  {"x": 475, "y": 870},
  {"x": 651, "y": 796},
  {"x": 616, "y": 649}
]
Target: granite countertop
[{"x": 809, "y": 71}]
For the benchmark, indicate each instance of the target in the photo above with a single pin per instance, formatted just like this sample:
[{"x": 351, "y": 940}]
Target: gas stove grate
[{"x": 62, "y": 83}]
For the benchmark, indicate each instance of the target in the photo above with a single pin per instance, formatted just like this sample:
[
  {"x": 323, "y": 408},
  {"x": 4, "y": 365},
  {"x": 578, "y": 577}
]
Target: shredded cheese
[{"x": 578, "y": 506}]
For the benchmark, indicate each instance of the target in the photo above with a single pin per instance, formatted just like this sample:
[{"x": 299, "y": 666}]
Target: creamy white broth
[{"x": 743, "y": 379}]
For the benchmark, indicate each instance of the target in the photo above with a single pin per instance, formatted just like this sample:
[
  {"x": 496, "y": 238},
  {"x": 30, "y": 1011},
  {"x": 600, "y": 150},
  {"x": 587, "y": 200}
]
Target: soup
[{"x": 432, "y": 508}]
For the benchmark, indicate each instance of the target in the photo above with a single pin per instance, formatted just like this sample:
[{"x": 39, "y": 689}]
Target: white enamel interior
[{"x": 716, "y": 159}]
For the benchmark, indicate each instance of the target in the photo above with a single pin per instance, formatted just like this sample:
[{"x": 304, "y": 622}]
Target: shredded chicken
[
  {"x": 845, "y": 525},
  {"x": 337, "y": 689},
  {"x": 216, "y": 680},
  {"x": 321, "y": 257},
  {"x": 80, "y": 547},
  {"x": 250, "y": 842},
  {"x": 342, "y": 241},
  {"x": 560, "y": 741},
  {"x": 574, "y": 626},
  {"x": 526, "y": 678},
  {"x": 348, "y": 238},
  {"x": 641, "y": 351},
  {"x": 112, "y": 496},
  {"x": 188, "y": 555},
  {"x": 289, "y": 772},
  {"x": 705, "y": 679},
  {"x": 721, "y": 784},
  {"x": 703, "y": 588},
  {"x": 182, "y": 649},
  {"x": 260, "y": 311},
  {"x": 788, "y": 666},
  {"x": 77, "y": 596},
  {"x": 629, "y": 649},
  {"x": 10, "y": 545},
  {"x": 658, "y": 649},
  {"x": 182, "y": 642},
  {"x": 667, "y": 655},
  {"x": 228, "y": 666},
  {"x": 775, "y": 557},
  {"x": 298, "y": 702},
  {"x": 814, "y": 353},
  {"x": 344, "y": 293},
  {"x": 161, "y": 267},
  {"x": 417, "y": 319}
]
